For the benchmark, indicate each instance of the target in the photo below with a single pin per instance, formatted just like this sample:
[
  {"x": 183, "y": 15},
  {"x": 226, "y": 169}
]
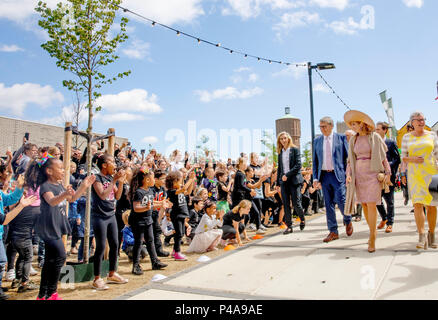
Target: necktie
[{"x": 328, "y": 155}]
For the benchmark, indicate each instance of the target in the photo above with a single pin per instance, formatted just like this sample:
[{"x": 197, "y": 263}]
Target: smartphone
[
  {"x": 129, "y": 143},
  {"x": 142, "y": 150},
  {"x": 26, "y": 135}
]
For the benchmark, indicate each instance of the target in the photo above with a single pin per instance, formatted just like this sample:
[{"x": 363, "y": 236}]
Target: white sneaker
[
  {"x": 261, "y": 231},
  {"x": 33, "y": 272},
  {"x": 10, "y": 275},
  {"x": 252, "y": 227},
  {"x": 263, "y": 227}
]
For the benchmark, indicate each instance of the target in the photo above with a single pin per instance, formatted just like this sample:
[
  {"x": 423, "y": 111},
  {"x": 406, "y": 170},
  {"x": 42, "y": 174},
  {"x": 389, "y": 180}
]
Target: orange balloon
[
  {"x": 257, "y": 237},
  {"x": 229, "y": 247}
]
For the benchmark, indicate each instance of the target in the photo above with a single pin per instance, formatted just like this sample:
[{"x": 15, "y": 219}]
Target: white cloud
[
  {"x": 236, "y": 79},
  {"x": 167, "y": 12},
  {"x": 229, "y": 93},
  {"x": 336, "y": 4},
  {"x": 15, "y": 99},
  {"x": 119, "y": 117},
  {"x": 150, "y": 140},
  {"x": 297, "y": 19},
  {"x": 349, "y": 27},
  {"x": 11, "y": 48},
  {"x": 247, "y": 9},
  {"x": 136, "y": 100},
  {"x": 292, "y": 71},
  {"x": 253, "y": 77},
  {"x": 321, "y": 88},
  {"x": 138, "y": 49},
  {"x": 413, "y": 3},
  {"x": 67, "y": 115}
]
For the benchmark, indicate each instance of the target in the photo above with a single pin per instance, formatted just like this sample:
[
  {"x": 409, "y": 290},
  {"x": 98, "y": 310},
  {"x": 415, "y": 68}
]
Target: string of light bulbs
[
  {"x": 217, "y": 45},
  {"x": 333, "y": 90},
  {"x": 231, "y": 51}
]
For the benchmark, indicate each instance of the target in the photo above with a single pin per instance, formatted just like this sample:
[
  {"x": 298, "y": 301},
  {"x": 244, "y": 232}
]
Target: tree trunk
[{"x": 89, "y": 162}]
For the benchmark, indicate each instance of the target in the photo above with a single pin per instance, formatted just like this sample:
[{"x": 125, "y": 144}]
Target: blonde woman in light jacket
[{"x": 366, "y": 159}]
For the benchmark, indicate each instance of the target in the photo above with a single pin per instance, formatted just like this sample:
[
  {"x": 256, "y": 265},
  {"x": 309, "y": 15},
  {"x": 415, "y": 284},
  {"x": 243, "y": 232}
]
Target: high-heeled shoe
[
  {"x": 431, "y": 240},
  {"x": 372, "y": 244},
  {"x": 422, "y": 241}
]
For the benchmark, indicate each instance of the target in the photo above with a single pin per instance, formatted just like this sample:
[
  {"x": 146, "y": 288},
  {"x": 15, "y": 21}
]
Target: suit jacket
[
  {"x": 340, "y": 156},
  {"x": 393, "y": 157},
  {"x": 294, "y": 175}
]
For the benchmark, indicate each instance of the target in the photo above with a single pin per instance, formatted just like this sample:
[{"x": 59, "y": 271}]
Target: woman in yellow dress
[{"x": 420, "y": 152}]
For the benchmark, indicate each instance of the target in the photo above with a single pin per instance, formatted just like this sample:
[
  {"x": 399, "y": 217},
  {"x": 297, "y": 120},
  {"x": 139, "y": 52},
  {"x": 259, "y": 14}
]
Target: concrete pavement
[{"x": 301, "y": 266}]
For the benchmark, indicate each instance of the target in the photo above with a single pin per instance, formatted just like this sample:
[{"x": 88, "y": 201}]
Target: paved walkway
[{"x": 301, "y": 266}]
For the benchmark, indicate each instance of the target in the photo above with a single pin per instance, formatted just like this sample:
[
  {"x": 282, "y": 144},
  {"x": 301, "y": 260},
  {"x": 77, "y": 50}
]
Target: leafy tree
[
  {"x": 269, "y": 142},
  {"x": 307, "y": 156},
  {"x": 82, "y": 43}
]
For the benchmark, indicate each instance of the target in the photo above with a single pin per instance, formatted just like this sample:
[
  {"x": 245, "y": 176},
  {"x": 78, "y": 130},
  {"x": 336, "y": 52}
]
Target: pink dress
[{"x": 368, "y": 188}]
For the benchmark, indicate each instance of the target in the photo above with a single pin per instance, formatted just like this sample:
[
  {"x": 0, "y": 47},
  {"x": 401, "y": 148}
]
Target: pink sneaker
[
  {"x": 180, "y": 257},
  {"x": 54, "y": 296},
  {"x": 43, "y": 298}
]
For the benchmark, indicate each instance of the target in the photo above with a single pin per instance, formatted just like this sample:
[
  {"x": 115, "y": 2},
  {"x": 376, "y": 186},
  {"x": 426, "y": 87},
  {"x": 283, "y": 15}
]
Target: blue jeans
[
  {"x": 334, "y": 193},
  {"x": 3, "y": 260}
]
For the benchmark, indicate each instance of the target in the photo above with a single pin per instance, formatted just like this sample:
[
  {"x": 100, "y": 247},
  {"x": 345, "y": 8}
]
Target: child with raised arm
[
  {"x": 46, "y": 173},
  {"x": 175, "y": 192}
]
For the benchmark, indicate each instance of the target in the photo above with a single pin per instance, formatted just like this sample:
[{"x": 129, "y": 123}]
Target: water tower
[{"x": 291, "y": 125}]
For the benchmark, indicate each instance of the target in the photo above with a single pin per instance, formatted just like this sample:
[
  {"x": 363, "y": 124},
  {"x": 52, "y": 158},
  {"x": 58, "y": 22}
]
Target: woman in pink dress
[{"x": 366, "y": 159}]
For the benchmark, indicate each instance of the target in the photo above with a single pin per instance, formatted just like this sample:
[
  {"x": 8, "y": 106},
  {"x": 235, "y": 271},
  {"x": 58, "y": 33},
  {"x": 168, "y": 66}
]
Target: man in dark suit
[
  {"x": 290, "y": 179},
  {"x": 330, "y": 153},
  {"x": 394, "y": 160}
]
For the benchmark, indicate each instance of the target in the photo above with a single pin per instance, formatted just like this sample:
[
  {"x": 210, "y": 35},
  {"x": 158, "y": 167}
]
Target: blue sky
[{"x": 375, "y": 45}]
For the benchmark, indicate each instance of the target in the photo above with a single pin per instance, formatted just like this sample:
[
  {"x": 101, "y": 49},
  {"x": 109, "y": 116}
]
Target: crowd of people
[{"x": 141, "y": 203}]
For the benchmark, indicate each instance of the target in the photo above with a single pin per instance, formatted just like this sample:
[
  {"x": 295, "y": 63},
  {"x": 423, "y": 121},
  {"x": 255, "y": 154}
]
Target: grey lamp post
[{"x": 319, "y": 66}]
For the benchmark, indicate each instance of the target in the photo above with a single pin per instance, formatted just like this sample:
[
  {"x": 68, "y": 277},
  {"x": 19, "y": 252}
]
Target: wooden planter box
[{"x": 75, "y": 272}]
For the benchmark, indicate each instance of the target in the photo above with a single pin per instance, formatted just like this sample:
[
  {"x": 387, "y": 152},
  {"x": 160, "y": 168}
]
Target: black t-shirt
[
  {"x": 159, "y": 195},
  {"x": 107, "y": 207},
  {"x": 229, "y": 217},
  {"x": 306, "y": 190},
  {"x": 194, "y": 218},
  {"x": 123, "y": 203},
  {"x": 22, "y": 226},
  {"x": 222, "y": 195},
  {"x": 179, "y": 201},
  {"x": 52, "y": 222},
  {"x": 141, "y": 218}
]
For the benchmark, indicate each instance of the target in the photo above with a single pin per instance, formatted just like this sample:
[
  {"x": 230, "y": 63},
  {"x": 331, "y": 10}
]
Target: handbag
[{"x": 381, "y": 177}]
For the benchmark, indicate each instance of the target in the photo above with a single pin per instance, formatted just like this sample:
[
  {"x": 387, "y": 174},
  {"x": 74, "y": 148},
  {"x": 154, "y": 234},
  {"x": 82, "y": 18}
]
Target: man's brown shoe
[
  {"x": 388, "y": 229},
  {"x": 382, "y": 225},
  {"x": 331, "y": 237},
  {"x": 350, "y": 229}
]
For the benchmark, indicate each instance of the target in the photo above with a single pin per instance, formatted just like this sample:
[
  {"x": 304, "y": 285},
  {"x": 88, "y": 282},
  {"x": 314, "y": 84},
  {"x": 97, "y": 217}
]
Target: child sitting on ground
[
  {"x": 207, "y": 235},
  {"x": 167, "y": 228},
  {"x": 128, "y": 239}
]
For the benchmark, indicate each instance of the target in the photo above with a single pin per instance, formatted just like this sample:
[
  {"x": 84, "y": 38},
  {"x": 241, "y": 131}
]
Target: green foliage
[
  {"x": 81, "y": 42},
  {"x": 269, "y": 142},
  {"x": 307, "y": 156}
]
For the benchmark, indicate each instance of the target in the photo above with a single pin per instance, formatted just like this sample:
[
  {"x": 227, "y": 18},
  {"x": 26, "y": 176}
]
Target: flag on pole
[{"x": 383, "y": 96}]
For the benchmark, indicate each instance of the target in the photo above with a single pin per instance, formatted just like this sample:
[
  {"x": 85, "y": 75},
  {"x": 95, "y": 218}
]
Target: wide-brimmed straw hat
[{"x": 354, "y": 115}]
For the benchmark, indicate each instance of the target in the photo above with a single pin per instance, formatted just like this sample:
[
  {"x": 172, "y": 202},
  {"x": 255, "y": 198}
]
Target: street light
[{"x": 319, "y": 66}]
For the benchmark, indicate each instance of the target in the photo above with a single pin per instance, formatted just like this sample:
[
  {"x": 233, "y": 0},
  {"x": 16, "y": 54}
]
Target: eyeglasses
[
  {"x": 420, "y": 120},
  {"x": 323, "y": 127}
]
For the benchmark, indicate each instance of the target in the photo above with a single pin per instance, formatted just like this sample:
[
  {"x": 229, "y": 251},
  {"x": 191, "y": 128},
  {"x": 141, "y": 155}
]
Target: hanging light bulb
[
  {"x": 270, "y": 61},
  {"x": 246, "y": 56},
  {"x": 218, "y": 45},
  {"x": 199, "y": 40},
  {"x": 153, "y": 23},
  {"x": 231, "y": 51},
  {"x": 258, "y": 59},
  {"x": 178, "y": 33}
]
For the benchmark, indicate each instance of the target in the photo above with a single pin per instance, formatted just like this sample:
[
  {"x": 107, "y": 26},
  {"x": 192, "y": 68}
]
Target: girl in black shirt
[
  {"x": 241, "y": 191},
  {"x": 104, "y": 193},
  {"x": 140, "y": 219},
  {"x": 233, "y": 223},
  {"x": 52, "y": 222},
  {"x": 180, "y": 211}
]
